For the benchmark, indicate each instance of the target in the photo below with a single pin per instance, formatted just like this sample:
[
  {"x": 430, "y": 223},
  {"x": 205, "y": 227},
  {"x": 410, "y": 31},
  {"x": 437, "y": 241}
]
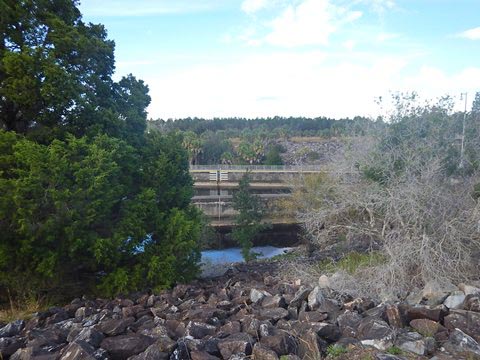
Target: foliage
[
  {"x": 55, "y": 76},
  {"x": 352, "y": 262},
  {"x": 394, "y": 350},
  {"x": 248, "y": 222},
  {"x": 406, "y": 194},
  {"x": 88, "y": 200},
  {"x": 273, "y": 156},
  {"x": 336, "y": 350}
]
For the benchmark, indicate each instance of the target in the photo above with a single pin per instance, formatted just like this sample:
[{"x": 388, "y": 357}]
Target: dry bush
[{"x": 424, "y": 218}]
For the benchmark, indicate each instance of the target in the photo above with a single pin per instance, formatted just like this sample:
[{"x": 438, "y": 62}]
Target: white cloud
[
  {"x": 287, "y": 83},
  {"x": 470, "y": 34},
  {"x": 383, "y": 37},
  {"x": 252, "y": 6},
  {"x": 311, "y": 22}
]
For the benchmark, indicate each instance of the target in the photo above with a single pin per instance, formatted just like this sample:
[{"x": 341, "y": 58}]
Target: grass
[
  {"x": 22, "y": 311},
  {"x": 394, "y": 350},
  {"x": 352, "y": 262},
  {"x": 336, "y": 350}
]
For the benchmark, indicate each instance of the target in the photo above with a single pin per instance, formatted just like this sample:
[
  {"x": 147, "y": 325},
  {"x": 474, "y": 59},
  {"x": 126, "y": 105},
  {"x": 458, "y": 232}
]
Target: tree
[
  {"x": 56, "y": 75},
  {"x": 248, "y": 222}
]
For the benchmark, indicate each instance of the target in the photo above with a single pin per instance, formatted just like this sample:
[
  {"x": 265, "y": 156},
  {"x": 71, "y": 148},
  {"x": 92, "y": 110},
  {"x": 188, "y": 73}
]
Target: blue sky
[{"x": 253, "y": 58}]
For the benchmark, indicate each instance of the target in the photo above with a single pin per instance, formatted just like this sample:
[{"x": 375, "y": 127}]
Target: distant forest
[{"x": 293, "y": 126}]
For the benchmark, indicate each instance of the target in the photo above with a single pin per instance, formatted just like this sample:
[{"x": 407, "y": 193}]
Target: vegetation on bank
[{"x": 88, "y": 200}]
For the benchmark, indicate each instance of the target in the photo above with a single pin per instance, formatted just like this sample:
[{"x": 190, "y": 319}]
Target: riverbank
[{"x": 254, "y": 311}]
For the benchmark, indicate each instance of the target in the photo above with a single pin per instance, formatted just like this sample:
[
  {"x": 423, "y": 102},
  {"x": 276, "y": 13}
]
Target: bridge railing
[{"x": 298, "y": 168}]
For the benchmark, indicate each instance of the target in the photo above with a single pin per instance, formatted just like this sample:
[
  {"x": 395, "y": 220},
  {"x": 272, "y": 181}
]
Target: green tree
[
  {"x": 273, "y": 156},
  {"x": 248, "y": 222}
]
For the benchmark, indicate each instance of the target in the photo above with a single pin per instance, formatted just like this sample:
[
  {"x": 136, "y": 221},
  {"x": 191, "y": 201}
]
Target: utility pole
[{"x": 462, "y": 149}]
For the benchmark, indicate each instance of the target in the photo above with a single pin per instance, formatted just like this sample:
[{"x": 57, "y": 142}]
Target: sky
[{"x": 265, "y": 58}]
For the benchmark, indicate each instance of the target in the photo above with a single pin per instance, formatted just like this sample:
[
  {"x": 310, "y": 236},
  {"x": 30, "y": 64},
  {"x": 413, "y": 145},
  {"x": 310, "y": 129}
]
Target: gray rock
[
  {"x": 257, "y": 295},
  {"x": 90, "y": 336},
  {"x": 348, "y": 323},
  {"x": 78, "y": 350},
  {"x": 300, "y": 296},
  {"x": 274, "y": 301},
  {"x": 199, "y": 330},
  {"x": 375, "y": 332},
  {"x": 12, "y": 329},
  {"x": 281, "y": 343},
  {"x": 461, "y": 342},
  {"x": 455, "y": 300},
  {"x": 273, "y": 314},
  {"x": 115, "y": 327},
  {"x": 315, "y": 298},
  {"x": 9, "y": 345}
]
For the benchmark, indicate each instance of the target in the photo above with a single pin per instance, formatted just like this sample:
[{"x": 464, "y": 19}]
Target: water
[{"x": 231, "y": 255}]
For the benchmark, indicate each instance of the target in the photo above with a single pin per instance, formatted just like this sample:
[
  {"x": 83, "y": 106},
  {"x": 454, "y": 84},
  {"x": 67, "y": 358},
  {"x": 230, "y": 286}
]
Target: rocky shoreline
[{"x": 251, "y": 312}]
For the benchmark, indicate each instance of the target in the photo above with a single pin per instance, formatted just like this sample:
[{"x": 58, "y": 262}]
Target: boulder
[
  {"x": 459, "y": 342},
  {"x": 12, "y": 329},
  {"x": 310, "y": 345},
  {"x": 455, "y": 300},
  {"x": 466, "y": 321},
  {"x": 348, "y": 323},
  {"x": 273, "y": 314},
  {"x": 9, "y": 345},
  {"x": 330, "y": 332},
  {"x": 78, "y": 350},
  {"x": 426, "y": 327},
  {"x": 315, "y": 298},
  {"x": 375, "y": 332},
  {"x": 472, "y": 302},
  {"x": 202, "y": 355},
  {"x": 300, "y": 296},
  {"x": 261, "y": 352},
  {"x": 257, "y": 295},
  {"x": 393, "y": 315},
  {"x": 114, "y": 327},
  {"x": 281, "y": 343},
  {"x": 123, "y": 346},
  {"x": 234, "y": 344},
  {"x": 275, "y": 301},
  {"x": 199, "y": 330},
  {"x": 90, "y": 336}
]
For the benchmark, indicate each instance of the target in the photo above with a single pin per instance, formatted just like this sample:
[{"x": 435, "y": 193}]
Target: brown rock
[
  {"x": 282, "y": 343},
  {"x": 234, "y": 344},
  {"x": 275, "y": 301},
  {"x": 78, "y": 350},
  {"x": 124, "y": 346},
  {"x": 114, "y": 327},
  {"x": 261, "y": 352},
  {"x": 393, "y": 316},
  {"x": 199, "y": 330},
  {"x": 348, "y": 323},
  {"x": 202, "y": 355},
  {"x": 423, "y": 312},
  {"x": 231, "y": 327},
  {"x": 466, "y": 321},
  {"x": 273, "y": 314},
  {"x": 312, "y": 316},
  {"x": 300, "y": 296},
  {"x": 310, "y": 346},
  {"x": 426, "y": 327}
]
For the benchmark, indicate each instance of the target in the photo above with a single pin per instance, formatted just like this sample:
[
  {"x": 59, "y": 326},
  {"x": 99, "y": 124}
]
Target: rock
[
  {"x": 124, "y": 346},
  {"x": 234, "y": 344},
  {"x": 165, "y": 344},
  {"x": 380, "y": 356},
  {"x": 12, "y": 329},
  {"x": 412, "y": 342},
  {"x": 310, "y": 346},
  {"x": 330, "y": 332},
  {"x": 423, "y": 312},
  {"x": 472, "y": 302},
  {"x": 199, "y": 330},
  {"x": 455, "y": 300},
  {"x": 152, "y": 353},
  {"x": 261, "y": 352},
  {"x": 290, "y": 357},
  {"x": 426, "y": 327},
  {"x": 469, "y": 290},
  {"x": 251, "y": 326},
  {"x": 348, "y": 323},
  {"x": 461, "y": 342},
  {"x": 375, "y": 332},
  {"x": 211, "y": 346},
  {"x": 323, "y": 282},
  {"x": 9, "y": 345},
  {"x": 394, "y": 318},
  {"x": 273, "y": 314},
  {"x": 433, "y": 294},
  {"x": 202, "y": 355},
  {"x": 49, "y": 337},
  {"x": 466, "y": 321},
  {"x": 181, "y": 352},
  {"x": 274, "y": 301},
  {"x": 231, "y": 327},
  {"x": 90, "y": 336},
  {"x": 257, "y": 295},
  {"x": 115, "y": 327},
  {"x": 83, "y": 312},
  {"x": 300, "y": 296},
  {"x": 312, "y": 316},
  {"x": 315, "y": 298},
  {"x": 281, "y": 343},
  {"x": 78, "y": 350}
]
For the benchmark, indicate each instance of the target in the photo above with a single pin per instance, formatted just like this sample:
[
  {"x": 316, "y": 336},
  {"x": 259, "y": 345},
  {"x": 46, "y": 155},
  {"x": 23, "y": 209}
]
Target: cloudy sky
[{"x": 253, "y": 58}]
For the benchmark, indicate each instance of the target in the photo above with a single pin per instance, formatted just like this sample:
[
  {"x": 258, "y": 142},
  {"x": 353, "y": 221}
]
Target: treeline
[
  {"x": 276, "y": 126},
  {"x": 89, "y": 202}
]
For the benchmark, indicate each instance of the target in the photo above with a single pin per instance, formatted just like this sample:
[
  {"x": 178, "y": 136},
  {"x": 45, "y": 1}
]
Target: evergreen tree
[{"x": 248, "y": 222}]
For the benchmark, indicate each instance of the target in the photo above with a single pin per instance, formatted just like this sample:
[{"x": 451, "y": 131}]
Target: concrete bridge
[{"x": 215, "y": 185}]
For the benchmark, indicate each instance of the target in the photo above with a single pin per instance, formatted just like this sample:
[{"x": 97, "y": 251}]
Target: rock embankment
[{"x": 250, "y": 314}]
